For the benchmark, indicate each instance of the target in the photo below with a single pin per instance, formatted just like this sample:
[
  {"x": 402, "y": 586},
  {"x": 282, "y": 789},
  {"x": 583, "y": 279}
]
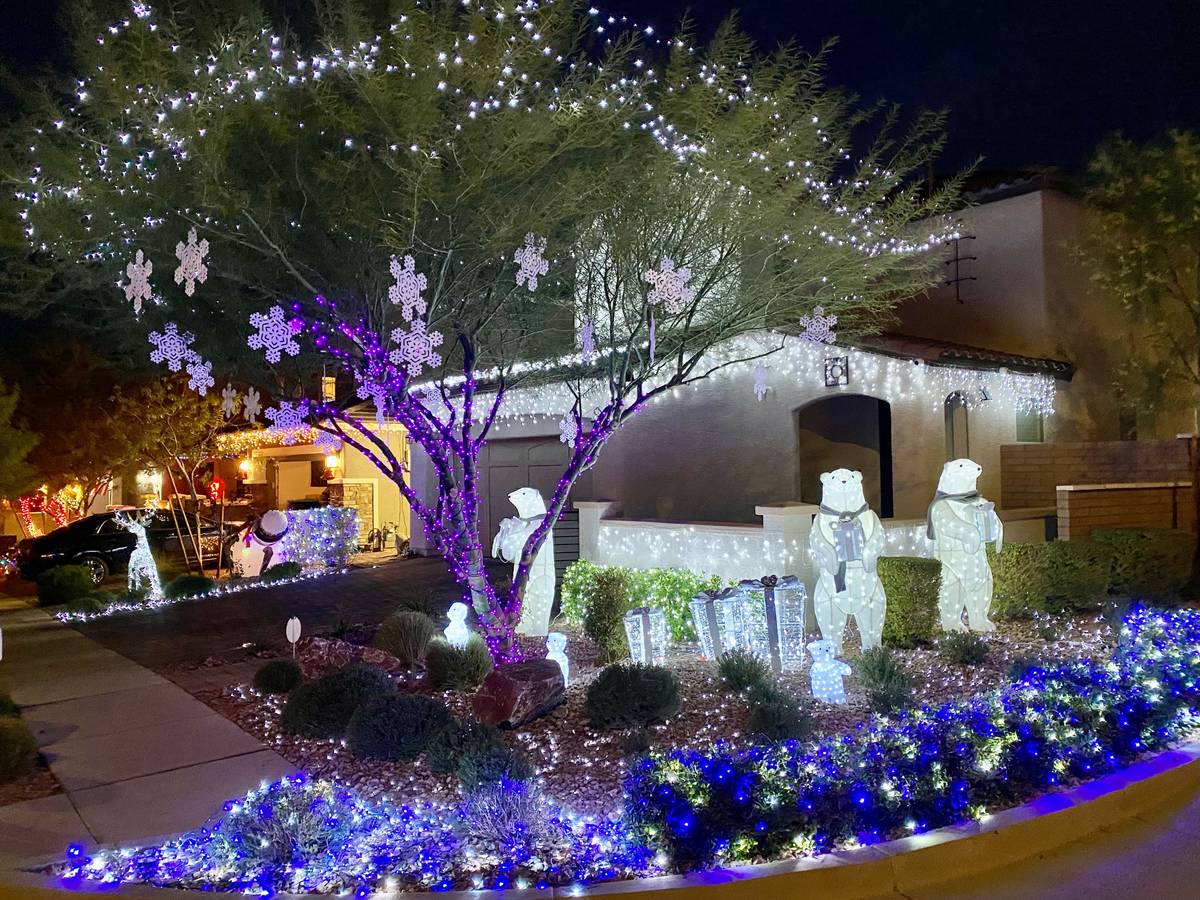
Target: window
[
  {"x": 1030, "y": 427},
  {"x": 958, "y": 428}
]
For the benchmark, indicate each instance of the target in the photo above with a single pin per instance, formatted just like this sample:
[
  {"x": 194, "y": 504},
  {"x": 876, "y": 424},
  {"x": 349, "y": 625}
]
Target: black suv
[{"x": 100, "y": 543}]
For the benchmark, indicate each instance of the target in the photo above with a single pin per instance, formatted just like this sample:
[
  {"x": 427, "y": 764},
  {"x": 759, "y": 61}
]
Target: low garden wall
[{"x": 1139, "y": 504}]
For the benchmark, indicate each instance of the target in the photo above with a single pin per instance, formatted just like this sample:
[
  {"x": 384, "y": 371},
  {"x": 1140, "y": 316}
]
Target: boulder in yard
[{"x": 515, "y": 694}]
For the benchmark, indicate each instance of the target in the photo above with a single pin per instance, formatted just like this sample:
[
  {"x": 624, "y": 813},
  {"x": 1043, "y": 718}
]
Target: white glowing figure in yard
[
  {"x": 961, "y": 525},
  {"x": 143, "y": 573},
  {"x": 846, "y": 541},
  {"x": 457, "y": 633},
  {"x": 257, "y": 550},
  {"x": 556, "y": 649},
  {"x": 508, "y": 546},
  {"x": 827, "y": 673}
]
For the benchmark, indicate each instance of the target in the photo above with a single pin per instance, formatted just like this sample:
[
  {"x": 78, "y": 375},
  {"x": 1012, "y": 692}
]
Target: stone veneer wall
[{"x": 359, "y": 496}]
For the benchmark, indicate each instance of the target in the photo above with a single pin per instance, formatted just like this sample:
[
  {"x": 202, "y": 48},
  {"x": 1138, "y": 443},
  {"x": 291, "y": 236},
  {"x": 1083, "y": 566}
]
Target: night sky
[{"x": 1027, "y": 84}]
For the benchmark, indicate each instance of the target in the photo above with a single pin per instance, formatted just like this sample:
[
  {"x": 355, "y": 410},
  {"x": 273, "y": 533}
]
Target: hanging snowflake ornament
[
  {"x": 200, "y": 376},
  {"x": 530, "y": 260},
  {"x": 415, "y": 348},
  {"x": 191, "y": 262},
  {"x": 252, "y": 405},
  {"x": 172, "y": 347},
  {"x": 138, "y": 288},
  {"x": 286, "y": 420},
  {"x": 327, "y": 443},
  {"x": 568, "y": 430},
  {"x": 760, "y": 382},
  {"x": 229, "y": 401},
  {"x": 406, "y": 292},
  {"x": 587, "y": 341},
  {"x": 818, "y": 327},
  {"x": 670, "y": 286},
  {"x": 275, "y": 334}
]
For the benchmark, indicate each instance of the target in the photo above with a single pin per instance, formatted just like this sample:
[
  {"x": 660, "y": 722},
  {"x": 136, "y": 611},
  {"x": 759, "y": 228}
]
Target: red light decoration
[{"x": 216, "y": 490}]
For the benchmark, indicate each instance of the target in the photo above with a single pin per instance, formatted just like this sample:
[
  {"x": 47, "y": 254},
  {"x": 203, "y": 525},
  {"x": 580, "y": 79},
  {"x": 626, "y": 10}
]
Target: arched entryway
[{"x": 846, "y": 431}]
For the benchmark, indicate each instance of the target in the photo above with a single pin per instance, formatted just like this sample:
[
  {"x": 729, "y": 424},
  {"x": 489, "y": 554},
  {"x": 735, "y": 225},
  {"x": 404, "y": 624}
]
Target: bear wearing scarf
[
  {"x": 961, "y": 524},
  {"x": 846, "y": 540}
]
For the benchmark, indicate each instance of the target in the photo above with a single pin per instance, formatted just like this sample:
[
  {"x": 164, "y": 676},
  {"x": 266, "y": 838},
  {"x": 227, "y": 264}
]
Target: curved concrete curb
[{"x": 904, "y": 865}]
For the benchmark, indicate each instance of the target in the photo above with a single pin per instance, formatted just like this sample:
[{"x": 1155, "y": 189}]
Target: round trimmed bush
[
  {"x": 457, "y": 740},
  {"x": 740, "y": 669},
  {"x": 278, "y": 676},
  {"x": 488, "y": 765},
  {"x": 62, "y": 584},
  {"x": 963, "y": 648},
  {"x": 405, "y": 635},
  {"x": 780, "y": 721},
  {"x": 95, "y": 602},
  {"x": 451, "y": 668},
  {"x": 8, "y": 707},
  {"x": 187, "y": 585},
  {"x": 18, "y": 749},
  {"x": 323, "y": 708},
  {"x": 281, "y": 572},
  {"x": 395, "y": 727},
  {"x": 628, "y": 695}
]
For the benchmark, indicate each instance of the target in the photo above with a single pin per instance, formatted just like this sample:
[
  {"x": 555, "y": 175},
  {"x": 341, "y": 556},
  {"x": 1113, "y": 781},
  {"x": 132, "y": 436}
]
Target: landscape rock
[
  {"x": 516, "y": 694},
  {"x": 319, "y": 656}
]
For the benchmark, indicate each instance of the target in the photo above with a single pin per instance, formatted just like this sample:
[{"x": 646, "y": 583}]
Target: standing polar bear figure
[
  {"x": 510, "y": 543},
  {"x": 961, "y": 523},
  {"x": 846, "y": 540}
]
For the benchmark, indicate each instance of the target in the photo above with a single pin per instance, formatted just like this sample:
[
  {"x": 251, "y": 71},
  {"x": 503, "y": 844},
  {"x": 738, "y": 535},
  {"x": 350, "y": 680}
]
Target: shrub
[
  {"x": 426, "y": 601},
  {"x": 1054, "y": 577},
  {"x": 503, "y": 812},
  {"x": 451, "y": 668},
  {"x": 18, "y": 749},
  {"x": 323, "y": 708},
  {"x": 405, "y": 635},
  {"x": 395, "y": 727},
  {"x": 671, "y": 590},
  {"x": 740, "y": 669},
  {"x": 780, "y": 721},
  {"x": 8, "y": 706},
  {"x": 459, "y": 739},
  {"x": 911, "y": 586},
  {"x": 1149, "y": 563},
  {"x": 963, "y": 648},
  {"x": 278, "y": 676},
  {"x": 62, "y": 584},
  {"x": 1021, "y": 666},
  {"x": 631, "y": 694},
  {"x": 187, "y": 585},
  {"x": 887, "y": 685},
  {"x": 1045, "y": 627},
  {"x": 491, "y": 764},
  {"x": 281, "y": 572},
  {"x": 604, "y": 619},
  {"x": 635, "y": 742},
  {"x": 95, "y": 602}
]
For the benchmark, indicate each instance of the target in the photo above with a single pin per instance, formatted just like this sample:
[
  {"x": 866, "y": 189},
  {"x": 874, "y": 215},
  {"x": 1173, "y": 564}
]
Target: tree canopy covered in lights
[{"x": 669, "y": 197}]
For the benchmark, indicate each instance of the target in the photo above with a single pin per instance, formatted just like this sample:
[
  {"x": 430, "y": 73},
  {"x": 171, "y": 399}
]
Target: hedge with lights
[{"x": 926, "y": 767}]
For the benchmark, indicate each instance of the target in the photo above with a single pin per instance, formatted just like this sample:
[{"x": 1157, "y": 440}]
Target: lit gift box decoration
[
  {"x": 764, "y": 616},
  {"x": 646, "y": 630}
]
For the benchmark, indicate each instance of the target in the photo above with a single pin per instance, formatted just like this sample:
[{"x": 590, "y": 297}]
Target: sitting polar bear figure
[
  {"x": 961, "y": 523},
  {"x": 508, "y": 546},
  {"x": 846, "y": 540}
]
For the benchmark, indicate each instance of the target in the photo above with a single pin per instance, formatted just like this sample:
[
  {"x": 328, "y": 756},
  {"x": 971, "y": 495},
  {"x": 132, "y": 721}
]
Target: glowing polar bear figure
[
  {"x": 961, "y": 523},
  {"x": 508, "y": 545},
  {"x": 846, "y": 540}
]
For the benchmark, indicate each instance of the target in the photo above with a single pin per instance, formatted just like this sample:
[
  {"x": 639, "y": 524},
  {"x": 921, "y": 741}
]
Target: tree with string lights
[{"x": 465, "y": 199}]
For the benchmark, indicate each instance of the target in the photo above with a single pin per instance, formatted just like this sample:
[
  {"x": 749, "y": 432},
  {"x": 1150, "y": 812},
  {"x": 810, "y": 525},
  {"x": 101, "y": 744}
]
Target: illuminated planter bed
[{"x": 896, "y": 778}]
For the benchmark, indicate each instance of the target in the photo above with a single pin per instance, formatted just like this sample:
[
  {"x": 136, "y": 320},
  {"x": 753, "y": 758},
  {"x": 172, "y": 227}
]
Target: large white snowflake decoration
[
  {"x": 275, "y": 334},
  {"x": 368, "y": 389},
  {"x": 138, "y": 287},
  {"x": 191, "y": 262},
  {"x": 327, "y": 443},
  {"x": 416, "y": 348},
  {"x": 229, "y": 401},
  {"x": 530, "y": 260},
  {"x": 252, "y": 405},
  {"x": 200, "y": 376},
  {"x": 568, "y": 430},
  {"x": 670, "y": 286},
  {"x": 406, "y": 292},
  {"x": 286, "y": 421},
  {"x": 818, "y": 327},
  {"x": 172, "y": 347}
]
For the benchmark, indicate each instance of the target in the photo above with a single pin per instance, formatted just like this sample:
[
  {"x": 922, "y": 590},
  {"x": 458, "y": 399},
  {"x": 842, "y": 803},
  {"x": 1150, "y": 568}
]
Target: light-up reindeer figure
[{"x": 143, "y": 572}]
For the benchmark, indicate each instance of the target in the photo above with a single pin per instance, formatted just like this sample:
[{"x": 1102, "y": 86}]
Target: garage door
[{"x": 534, "y": 462}]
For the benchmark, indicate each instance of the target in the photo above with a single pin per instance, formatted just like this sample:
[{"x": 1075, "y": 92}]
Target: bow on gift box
[{"x": 767, "y": 584}]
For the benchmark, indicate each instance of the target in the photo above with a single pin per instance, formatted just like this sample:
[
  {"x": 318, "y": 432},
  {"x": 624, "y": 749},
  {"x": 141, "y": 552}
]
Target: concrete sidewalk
[{"x": 137, "y": 756}]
